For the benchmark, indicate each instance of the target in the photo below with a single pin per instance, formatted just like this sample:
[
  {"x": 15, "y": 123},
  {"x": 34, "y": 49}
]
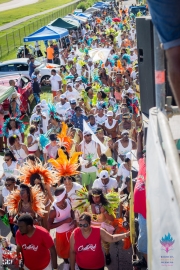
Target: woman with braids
[{"x": 36, "y": 179}]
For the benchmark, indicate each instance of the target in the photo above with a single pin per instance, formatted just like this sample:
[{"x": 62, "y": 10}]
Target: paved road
[
  {"x": 11, "y": 24},
  {"x": 16, "y": 3}
]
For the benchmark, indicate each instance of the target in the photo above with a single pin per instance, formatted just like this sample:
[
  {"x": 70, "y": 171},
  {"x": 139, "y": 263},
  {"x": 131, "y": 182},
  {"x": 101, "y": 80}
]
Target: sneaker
[
  {"x": 142, "y": 263},
  {"x": 108, "y": 259},
  {"x": 66, "y": 266}
]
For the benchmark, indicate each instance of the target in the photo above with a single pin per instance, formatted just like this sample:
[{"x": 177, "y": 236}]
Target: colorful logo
[{"x": 167, "y": 242}]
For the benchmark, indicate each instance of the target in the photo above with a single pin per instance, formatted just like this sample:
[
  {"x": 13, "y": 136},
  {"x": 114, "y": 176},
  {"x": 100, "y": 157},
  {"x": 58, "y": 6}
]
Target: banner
[{"x": 163, "y": 213}]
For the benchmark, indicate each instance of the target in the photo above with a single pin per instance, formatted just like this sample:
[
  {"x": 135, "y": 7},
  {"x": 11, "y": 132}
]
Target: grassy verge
[
  {"x": 4, "y": 1},
  {"x": 12, "y": 38},
  {"x": 21, "y": 12}
]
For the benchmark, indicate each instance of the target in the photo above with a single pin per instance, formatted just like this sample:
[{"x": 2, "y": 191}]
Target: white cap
[
  {"x": 63, "y": 96},
  {"x": 109, "y": 113},
  {"x": 78, "y": 79},
  {"x": 128, "y": 155},
  {"x": 104, "y": 174},
  {"x": 86, "y": 132},
  {"x": 130, "y": 91}
]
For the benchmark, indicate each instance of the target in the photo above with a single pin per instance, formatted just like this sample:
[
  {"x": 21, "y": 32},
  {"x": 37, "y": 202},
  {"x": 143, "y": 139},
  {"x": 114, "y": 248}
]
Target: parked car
[
  {"x": 23, "y": 84},
  {"x": 20, "y": 66}
]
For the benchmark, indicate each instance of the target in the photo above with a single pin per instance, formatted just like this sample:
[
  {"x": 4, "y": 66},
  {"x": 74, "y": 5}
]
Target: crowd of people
[{"x": 74, "y": 171}]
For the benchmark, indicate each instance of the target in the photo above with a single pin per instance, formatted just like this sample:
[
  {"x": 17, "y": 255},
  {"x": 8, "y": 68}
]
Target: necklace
[{"x": 25, "y": 205}]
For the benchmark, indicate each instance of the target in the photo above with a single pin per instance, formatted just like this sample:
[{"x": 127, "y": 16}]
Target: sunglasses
[
  {"x": 88, "y": 135},
  {"x": 6, "y": 160},
  {"x": 83, "y": 225},
  {"x": 8, "y": 185}
]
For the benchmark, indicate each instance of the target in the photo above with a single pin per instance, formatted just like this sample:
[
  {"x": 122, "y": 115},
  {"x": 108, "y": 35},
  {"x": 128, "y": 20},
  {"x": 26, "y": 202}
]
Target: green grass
[
  {"x": 4, "y": 1},
  {"x": 12, "y": 38},
  {"x": 21, "y": 12}
]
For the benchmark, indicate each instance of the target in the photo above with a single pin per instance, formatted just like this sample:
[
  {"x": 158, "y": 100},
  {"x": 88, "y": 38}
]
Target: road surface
[{"x": 16, "y": 3}]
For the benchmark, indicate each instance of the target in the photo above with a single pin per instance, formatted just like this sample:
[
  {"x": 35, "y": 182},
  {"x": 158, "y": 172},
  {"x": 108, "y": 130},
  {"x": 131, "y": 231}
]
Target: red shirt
[
  {"x": 35, "y": 248},
  {"x": 140, "y": 190},
  {"x": 89, "y": 254}
]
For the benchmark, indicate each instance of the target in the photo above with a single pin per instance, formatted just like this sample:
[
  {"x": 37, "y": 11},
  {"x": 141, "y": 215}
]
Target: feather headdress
[
  {"x": 37, "y": 201},
  {"x": 65, "y": 166},
  {"x": 28, "y": 169},
  {"x": 64, "y": 140}
]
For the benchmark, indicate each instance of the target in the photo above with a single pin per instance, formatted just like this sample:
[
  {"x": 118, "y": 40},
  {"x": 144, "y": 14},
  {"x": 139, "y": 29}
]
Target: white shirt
[
  {"x": 37, "y": 46},
  {"x": 133, "y": 75},
  {"x": 10, "y": 170},
  {"x": 36, "y": 117},
  {"x": 133, "y": 57},
  {"x": 100, "y": 120},
  {"x": 112, "y": 184},
  {"x": 74, "y": 94},
  {"x": 55, "y": 82},
  {"x": 61, "y": 109}
]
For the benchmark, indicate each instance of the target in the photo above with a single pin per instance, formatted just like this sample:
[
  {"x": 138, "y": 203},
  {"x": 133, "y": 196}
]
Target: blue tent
[
  {"x": 85, "y": 15},
  {"x": 100, "y": 6},
  {"x": 47, "y": 33}
]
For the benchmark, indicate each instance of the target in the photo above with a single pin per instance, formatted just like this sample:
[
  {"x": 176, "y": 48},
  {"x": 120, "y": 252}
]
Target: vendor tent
[
  {"x": 47, "y": 33},
  {"x": 5, "y": 92},
  {"x": 71, "y": 17},
  {"x": 92, "y": 10},
  {"x": 72, "y": 21},
  {"x": 64, "y": 24},
  {"x": 81, "y": 19},
  {"x": 84, "y": 15}
]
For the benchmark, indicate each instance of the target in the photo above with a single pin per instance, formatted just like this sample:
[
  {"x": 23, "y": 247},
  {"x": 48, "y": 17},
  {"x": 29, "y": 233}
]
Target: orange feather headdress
[
  {"x": 49, "y": 177},
  {"x": 65, "y": 167},
  {"x": 37, "y": 201},
  {"x": 65, "y": 140}
]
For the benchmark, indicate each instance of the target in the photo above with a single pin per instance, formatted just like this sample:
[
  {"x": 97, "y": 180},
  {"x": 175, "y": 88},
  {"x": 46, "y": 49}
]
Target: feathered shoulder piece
[
  {"x": 114, "y": 201},
  {"x": 12, "y": 201},
  {"x": 37, "y": 201},
  {"x": 65, "y": 166},
  {"x": 81, "y": 202},
  {"x": 49, "y": 177},
  {"x": 64, "y": 139}
]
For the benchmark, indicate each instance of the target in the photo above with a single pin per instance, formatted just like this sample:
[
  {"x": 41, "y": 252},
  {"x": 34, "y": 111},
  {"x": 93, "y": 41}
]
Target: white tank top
[
  {"x": 62, "y": 214},
  {"x": 89, "y": 152},
  {"x": 34, "y": 147},
  {"x": 20, "y": 155},
  {"x": 123, "y": 150}
]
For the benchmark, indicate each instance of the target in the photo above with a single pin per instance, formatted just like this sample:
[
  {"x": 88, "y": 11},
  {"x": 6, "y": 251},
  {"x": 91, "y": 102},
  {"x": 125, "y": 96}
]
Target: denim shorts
[
  {"x": 166, "y": 18},
  {"x": 142, "y": 239}
]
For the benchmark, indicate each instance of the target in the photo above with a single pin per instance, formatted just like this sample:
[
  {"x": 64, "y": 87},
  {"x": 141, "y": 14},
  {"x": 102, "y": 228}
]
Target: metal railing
[
  {"x": 13, "y": 40},
  {"x": 163, "y": 113}
]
